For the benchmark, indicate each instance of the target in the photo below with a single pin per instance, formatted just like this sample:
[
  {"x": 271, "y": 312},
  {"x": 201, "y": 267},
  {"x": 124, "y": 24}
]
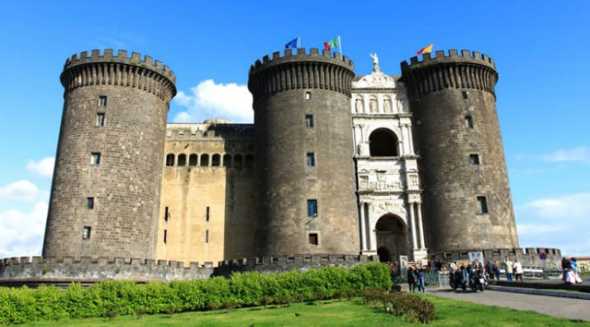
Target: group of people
[
  {"x": 570, "y": 273},
  {"x": 492, "y": 269},
  {"x": 416, "y": 278},
  {"x": 472, "y": 275}
]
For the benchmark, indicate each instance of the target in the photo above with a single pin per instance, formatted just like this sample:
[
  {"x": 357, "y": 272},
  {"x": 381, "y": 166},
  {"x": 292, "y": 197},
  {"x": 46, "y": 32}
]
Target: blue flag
[{"x": 295, "y": 43}]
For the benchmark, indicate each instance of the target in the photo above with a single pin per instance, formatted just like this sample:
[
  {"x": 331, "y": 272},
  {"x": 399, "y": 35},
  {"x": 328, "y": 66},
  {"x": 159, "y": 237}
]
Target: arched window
[
  {"x": 387, "y": 106},
  {"x": 170, "y": 159},
  {"x": 182, "y": 160},
  {"x": 373, "y": 105},
  {"x": 358, "y": 105},
  {"x": 249, "y": 161},
  {"x": 193, "y": 159},
  {"x": 227, "y": 161},
  {"x": 216, "y": 160},
  {"x": 383, "y": 143},
  {"x": 238, "y": 161},
  {"x": 204, "y": 160}
]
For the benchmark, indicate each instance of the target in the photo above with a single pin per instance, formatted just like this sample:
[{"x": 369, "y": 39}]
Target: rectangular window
[
  {"x": 207, "y": 214},
  {"x": 307, "y": 95},
  {"x": 165, "y": 236},
  {"x": 207, "y": 236},
  {"x": 100, "y": 119},
  {"x": 313, "y": 239},
  {"x": 102, "y": 100},
  {"x": 166, "y": 214},
  {"x": 86, "y": 232},
  {"x": 465, "y": 94},
  {"x": 90, "y": 203},
  {"x": 309, "y": 120},
  {"x": 312, "y": 208},
  {"x": 474, "y": 159},
  {"x": 95, "y": 158},
  {"x": 469, "y": 121},
  {"x": 310, "y": 159},
  {"x": 483, "y": 204}
]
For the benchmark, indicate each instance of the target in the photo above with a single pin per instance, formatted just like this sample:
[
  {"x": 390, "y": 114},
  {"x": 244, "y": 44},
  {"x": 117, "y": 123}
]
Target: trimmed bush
[
  {"x": 414, "y": 308},
  {"x": 113, "y": 298}
]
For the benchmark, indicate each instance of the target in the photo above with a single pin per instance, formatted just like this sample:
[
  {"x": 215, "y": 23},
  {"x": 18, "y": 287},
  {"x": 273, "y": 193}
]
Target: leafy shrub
[
  {"x": 114, "y": 298},
  {"x": 414, "y": 308}
]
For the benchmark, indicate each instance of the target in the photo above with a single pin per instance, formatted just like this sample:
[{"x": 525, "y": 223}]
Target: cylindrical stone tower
[
  {"x": 304, "y": 153},
  {"x": 106, "y": 185},
  {"x": 467, "y": 202}
]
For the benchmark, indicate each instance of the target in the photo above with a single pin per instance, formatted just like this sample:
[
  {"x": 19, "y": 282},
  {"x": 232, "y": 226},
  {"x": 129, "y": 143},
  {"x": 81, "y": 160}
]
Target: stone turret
[
  {"x": 106, "y": 185},
  {"x": 467, "y": 201},
  {"x": 304, "y": 148}
]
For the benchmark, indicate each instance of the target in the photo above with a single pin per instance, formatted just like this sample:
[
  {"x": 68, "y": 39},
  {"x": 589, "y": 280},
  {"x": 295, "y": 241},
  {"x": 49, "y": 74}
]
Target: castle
[{"x": 390, "y": 166}]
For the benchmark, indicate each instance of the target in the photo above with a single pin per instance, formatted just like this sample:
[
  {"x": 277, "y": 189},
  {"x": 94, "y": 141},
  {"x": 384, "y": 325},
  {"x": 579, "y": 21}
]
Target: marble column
[
  {"x": 419, "y": 212},
  {"x": 413, "y": 226},
  {"x": 363, "y": 228}
]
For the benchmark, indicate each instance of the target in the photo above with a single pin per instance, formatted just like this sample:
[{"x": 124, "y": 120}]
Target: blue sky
[{"x": 539, "y": 48}]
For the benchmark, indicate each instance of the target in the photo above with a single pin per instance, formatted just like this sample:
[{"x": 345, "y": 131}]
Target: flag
[
  {"x": 426, "y": 49},
  {"x": 335, "y": 43},
  {"x": 295, "y": 43}
]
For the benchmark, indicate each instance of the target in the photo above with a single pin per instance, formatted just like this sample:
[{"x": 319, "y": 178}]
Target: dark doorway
[{"x": 383, "y": 143}]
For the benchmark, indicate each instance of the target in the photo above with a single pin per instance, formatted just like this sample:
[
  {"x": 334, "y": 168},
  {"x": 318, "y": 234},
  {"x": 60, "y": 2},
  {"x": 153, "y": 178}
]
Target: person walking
[
  {"x": 411, "y": 279},
  {"x": 518, "y": 271},
  {"x": 421, "y": 281},
  {"x": 496, "y": 270},
  {"x": 509, "y": 269}
]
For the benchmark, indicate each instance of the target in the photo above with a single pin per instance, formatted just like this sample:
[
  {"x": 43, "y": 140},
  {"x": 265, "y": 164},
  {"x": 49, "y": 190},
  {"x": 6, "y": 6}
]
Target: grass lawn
[{"x": 331, "y": 313}]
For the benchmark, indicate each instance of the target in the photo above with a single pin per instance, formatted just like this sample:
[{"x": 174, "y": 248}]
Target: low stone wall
[
  {"x": 528, "y": 257},
  {"x": 38, "y": 270},
  {"x": 89, "y": 269},
  {"x": 288, "y": 263}
]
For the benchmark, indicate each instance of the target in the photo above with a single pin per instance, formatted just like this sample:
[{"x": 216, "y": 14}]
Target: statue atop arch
[{"x": 375, "y": 59}]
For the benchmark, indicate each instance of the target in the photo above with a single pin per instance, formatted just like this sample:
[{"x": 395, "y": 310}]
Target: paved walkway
[{"x": 549, "y": 305}]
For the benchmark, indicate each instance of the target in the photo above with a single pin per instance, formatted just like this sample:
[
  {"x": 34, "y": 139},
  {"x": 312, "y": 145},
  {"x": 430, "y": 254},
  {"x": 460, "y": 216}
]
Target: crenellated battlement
[
  {"x": 108, "y": 56},
  {"x": 104, "y": 68},
  {"x": 452, "y": 56},
  {"x": 451, "y": 70},
  {"x": 300, "y": 70},
  {"x": 300, "y": 55},
  {"x": 91, "y": 269}
]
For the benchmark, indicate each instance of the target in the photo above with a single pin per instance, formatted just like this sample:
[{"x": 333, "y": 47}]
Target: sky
[{"x": 539, "y": 49}]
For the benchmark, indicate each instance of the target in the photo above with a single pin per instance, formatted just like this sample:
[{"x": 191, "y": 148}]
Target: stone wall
[
  {"x": 530, "y": 257},
  {"x": 286, "y": 88},
  {"x": 132, "y": 94},
  {"x": 210, "y": 195},
  {"x": 31, "y": 270},
  {"x": 94, "y": 269},
  {"x": 453, "y": 101}
]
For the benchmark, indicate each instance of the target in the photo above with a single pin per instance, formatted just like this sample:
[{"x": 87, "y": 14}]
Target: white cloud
[
  {"x": 577, "y": 154},
  {"x": 22, "y": 190},
  {"x": 43, "y": 167},
  {"x": 559, "y": 221},
  {"x": 570, "y": 207},
  {"x": 21, "y": 233},
  {"x": 215, "y": 100}
]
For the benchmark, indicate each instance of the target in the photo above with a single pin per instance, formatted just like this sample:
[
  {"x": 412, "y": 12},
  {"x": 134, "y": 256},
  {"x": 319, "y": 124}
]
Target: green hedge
[{"x": 112, "y": 298}]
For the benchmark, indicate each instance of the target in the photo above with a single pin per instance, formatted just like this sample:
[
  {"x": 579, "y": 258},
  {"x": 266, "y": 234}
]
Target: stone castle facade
[{"x": 334, "y": 164}]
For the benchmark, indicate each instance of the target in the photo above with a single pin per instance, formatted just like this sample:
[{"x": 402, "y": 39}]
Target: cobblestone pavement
[{"x": 549, "y": 305}]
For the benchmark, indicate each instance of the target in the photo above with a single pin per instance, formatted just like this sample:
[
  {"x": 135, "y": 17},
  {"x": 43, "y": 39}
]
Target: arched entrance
[
  {"x": 392, "y": 238},
  {"x": 383, "y": 143}
]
